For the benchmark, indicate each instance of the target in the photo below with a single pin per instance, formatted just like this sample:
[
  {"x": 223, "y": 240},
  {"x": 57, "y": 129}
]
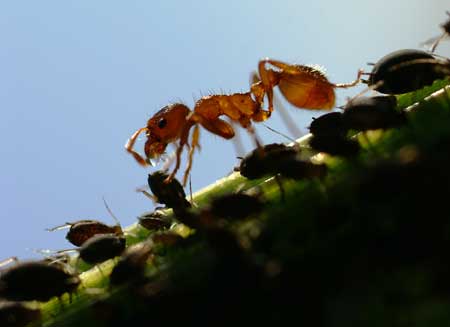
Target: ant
[{"x": 302, "y": 86}]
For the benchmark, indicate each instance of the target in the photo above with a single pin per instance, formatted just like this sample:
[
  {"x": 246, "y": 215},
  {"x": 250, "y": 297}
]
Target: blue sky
[{"x": 79, "y": 77}]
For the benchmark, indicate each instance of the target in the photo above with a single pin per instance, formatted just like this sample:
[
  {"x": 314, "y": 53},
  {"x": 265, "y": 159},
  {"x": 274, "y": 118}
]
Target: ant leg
[
  {"x": 130, "y": 144},
  {"x": 269, "y": 80},
  {"x": 256, "y": 139},
  {"x": 183, "y": 141},
  {"x": 351, "y": 84},
  {"x": 194, "y": 144},
  {"x": 285, "y": 116}
]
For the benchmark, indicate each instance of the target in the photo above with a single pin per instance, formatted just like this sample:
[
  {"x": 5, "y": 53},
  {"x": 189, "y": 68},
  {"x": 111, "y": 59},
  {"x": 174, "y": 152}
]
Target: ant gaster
[{"x": 303, "y": 86}]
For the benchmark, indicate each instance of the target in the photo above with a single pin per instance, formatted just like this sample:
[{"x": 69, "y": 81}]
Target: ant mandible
[{"x": 302, "y": 86}]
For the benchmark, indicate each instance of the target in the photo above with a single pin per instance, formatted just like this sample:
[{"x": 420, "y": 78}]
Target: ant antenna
[
  {"x": 110, "y": 211},
  {"x": 277, "y": 132}
]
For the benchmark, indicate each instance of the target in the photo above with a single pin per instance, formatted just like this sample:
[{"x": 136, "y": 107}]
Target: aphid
[
  {"x": 446, "y": 34},
  {"x": 171, "y": 194},
  {"x": 367, "y": 113},
  {"x": 82, "y": 230},
  {"x": 281, "y": 159},
  {"x": 405, "y": 71},
  {"x": 235, "y": 206},
  {"x": 154, "y": 221},
  {"x": 166, "y": 238},
  {"x": 102, "y": 247},
  {"x": 335, "y": 145},
  {"x": 36, "y": 281},
  {"x": 261, "y": 162},
  {"x": 17, "y": 314},
  {"x": 131, "y": 265},
  {"x": 330, "y": 124},
  {"x": 303, "y": 86}
]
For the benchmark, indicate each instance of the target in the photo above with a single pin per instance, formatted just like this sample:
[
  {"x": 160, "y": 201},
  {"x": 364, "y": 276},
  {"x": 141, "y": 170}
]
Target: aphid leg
[
  {"x": 351, "y": 84},
  {"x": 147, "y": 194},
  {"x": 194, "y": 144},
  {"x": 280, "y": 186},
  {"x": 130, "y": 144}
]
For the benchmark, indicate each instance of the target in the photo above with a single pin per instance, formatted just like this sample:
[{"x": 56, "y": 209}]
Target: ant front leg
[
  {"x": 130, "y": 144},
  {"x": 194, "y": 144},
  {"x": 183, "y": 141}
]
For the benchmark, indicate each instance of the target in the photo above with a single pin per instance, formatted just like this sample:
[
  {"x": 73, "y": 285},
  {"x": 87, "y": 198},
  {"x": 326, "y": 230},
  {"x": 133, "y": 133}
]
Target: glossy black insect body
[
  {"x": 331, "y": 124},
  {"x": 36, "y": 281},
  {"x": 154, "y": 221},
  {"x": 367, "y": 113},
  {"x": 235, "y": 206},
  {"x": 405, "y": 71},
  {"x": 102, "y": 247},
  {"x": 262, "y": 162},
  {"x": 82, "y": 230},
  {"x": 335, "y": 145},
  {"x": 171, "y": 194},
  {"x": 131, "y": 265}
]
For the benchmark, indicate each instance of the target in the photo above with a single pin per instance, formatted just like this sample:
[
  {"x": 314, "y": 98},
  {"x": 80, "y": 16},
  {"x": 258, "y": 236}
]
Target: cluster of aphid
[{"x": 304, "y": 87}]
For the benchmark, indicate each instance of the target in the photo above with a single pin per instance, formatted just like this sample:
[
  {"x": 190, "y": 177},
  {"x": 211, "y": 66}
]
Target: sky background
[{"x": 79, "y": 77}]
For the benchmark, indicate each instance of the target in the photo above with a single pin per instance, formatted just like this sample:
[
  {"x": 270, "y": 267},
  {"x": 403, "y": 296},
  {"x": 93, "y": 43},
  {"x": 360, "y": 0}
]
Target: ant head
[{"x": 165, "y": 127}]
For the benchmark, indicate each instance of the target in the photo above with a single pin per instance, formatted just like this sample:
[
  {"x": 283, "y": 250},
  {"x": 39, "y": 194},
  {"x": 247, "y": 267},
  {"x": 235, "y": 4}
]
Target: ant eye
[{"x": 162, "y": 123}]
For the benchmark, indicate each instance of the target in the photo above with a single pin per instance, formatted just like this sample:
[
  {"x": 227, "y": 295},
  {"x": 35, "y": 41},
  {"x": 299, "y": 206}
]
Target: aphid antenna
[
  {"x": 110, "y": 211},
  {"x": 66, "y": 225},
  {"x": 277, "y": 132}
]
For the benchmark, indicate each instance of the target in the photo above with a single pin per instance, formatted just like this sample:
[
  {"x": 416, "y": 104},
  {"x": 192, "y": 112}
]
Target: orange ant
[{"x": 302, "y": 86}]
